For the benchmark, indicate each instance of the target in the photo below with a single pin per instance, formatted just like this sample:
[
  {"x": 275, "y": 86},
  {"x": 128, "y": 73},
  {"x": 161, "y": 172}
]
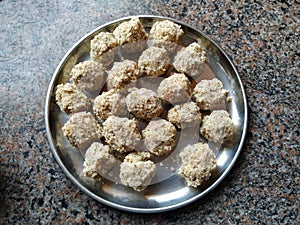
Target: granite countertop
[{"x": 262, "y": 39}]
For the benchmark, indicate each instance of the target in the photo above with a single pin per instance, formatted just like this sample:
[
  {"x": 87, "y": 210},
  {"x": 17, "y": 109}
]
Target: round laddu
[
  {"x": 175, "y": 89},
  {"x": 137, "y": 171},
  {"x": 217, "y": 126},
  {"x": 98, "y": 161},
  {"x": 197, "y": 162},
  {"x": 122, "y": 134},
  {"x": 122, "y": 74},
  {"x": 190, "y": 60},
  {"x": 154, "y": 61},
  {"x": 131, "y": 35},
  {"x": 166, "y": 34},
  {"x": 159, "y": 137},
  {"x": 209, "y": 94},
  {"x": 71, "y": 99},
  {"x": 185, "y": 115},
  {"x": 88, "y": 75},
  {"x": 104, "y": 47},
  {"x": 144, "y": 104},
  {"x": 82, "y": 129},
  {"x": 109, "y": 103}
]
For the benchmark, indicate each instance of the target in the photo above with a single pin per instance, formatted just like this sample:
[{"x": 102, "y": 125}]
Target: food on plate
[
  {"x": 166, "y": 34},
  {"x": 217, "y": 127},
  {"x": 144, "y": 103},
  {"x": 98, "y": 161},
  {"x": 185, "y": 115},
  {"x": 71, "y": 99},
  {"x": 154, "y": 61},
  {"x": 174, "y": 89},
  {"x": 122, "y": 134},
  {"x": 104, "y": 48},
  {"x": 131, "y": 35},
  {"x": 137, "y": 171},
  {"x": 122, "y": 74},
  {"x": 190, "y": 60},
  {"x": 88, "y": 75},
  {"x": 197, "y": 163},
  {"x": 209, "y": 94},
  {"x": 109, "y": 103},
  {"x": 82, "y": 129},
  {"x": 129, "y": 128},
  {"x": 159, "y": 137}
]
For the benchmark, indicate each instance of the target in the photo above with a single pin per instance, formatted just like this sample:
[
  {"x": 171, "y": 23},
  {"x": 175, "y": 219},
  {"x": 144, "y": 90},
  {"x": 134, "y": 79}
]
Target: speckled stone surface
[{"x": 262, "y": 39}]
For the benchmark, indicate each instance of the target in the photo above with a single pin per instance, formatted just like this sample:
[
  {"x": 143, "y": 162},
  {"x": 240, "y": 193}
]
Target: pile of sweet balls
[{"x": 107, "y": 128}]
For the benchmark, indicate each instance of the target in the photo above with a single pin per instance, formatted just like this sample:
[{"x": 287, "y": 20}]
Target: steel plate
[{"x": 167, "y": 191}]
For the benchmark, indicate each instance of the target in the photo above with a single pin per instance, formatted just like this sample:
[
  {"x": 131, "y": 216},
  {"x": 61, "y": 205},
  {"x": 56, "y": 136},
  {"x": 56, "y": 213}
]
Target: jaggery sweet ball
[
  {"x": 98, "y": 161},
  {"x": 197, "y": 162},
  {"x": 154, "y": 61},
  {"x": 71, "y": 99},
  {"x": 137, "y": 170},
  {"x": 159, "y": 137},
  {"x": 88, "y": 75},
  {"x": 190, "y": 60},
  {"x": 109, "y": 103},
  {"x": 131, "y": 35},
  {"x": 175, "y": 88},
  {"x": 104, "y": 48},
  {"x": 166, "y": 33},
  {"x": 82, "y": 129},
  {"x": 217, "y": 126},
  {"x": 121, "y": 134},
  {"x": 122, "y": 74},
  {"x": 185, "y": 115},
  {"x": 209, "y": 94},
  {"x": 144, "y": 103}
]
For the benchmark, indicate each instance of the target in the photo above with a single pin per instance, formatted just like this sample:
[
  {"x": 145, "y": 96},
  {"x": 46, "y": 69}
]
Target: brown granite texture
[{"x": 262, "y": 39}]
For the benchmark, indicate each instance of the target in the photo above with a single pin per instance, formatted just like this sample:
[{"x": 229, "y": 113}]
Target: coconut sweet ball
[
  {"x": 190, "y": 60},
  {"x": 131, "y": 35},
  {"x": 175, "y": 88},
  {"x": 82, "y": 129},
  {"x": 98, "y": 161},
  {"x": 137, "y": 170},
  {"x": 71, "y": 99},
  {"x": 109, "y": 103},
  {"x": 154, "y": 61},
  {"x": 88, "y": 75},
  {"x": 197, "y": 162},
  {"x": 185, "y": 115},
  {"x": 159, "y": 137},
  {"x": 144, "y": 104},
  {"x": 209, "y": 94},
  {"x": 217, "y": 126},
  {"x": 166, "y": 34},
  {"x": 122, "y": 74},
  {"x": 122, "y": 134},
  {"x": 104, "y": 48}
]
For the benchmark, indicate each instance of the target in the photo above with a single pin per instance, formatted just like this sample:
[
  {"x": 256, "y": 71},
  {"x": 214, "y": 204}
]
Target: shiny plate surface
[{"x": 170, "y": 191}]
